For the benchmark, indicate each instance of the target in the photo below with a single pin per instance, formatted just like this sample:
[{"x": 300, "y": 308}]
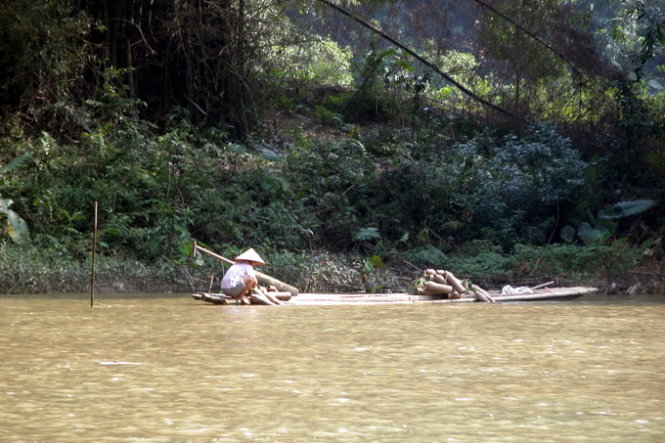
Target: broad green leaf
[
  {"x": 589, "y": 234},
  {"x": 18, "y": 161},
  {"x": 626, "y": 208},
  {"x": 364, "y": 234},
  {"x": 15, "y": 227},
  {"x": 567, "y": 233}
]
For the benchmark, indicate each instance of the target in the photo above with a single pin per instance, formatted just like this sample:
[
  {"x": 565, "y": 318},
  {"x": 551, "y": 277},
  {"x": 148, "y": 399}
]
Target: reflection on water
[{"x": 172, "y": 369}]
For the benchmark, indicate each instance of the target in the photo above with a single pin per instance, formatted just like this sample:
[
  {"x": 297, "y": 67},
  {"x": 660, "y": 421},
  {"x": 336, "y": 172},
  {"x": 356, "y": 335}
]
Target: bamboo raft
[
  {"x": 310, "y": 299},
  {"x": 436, "y": 286}
]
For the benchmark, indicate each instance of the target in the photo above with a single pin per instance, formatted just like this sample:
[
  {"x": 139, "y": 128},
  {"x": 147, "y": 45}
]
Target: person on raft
[{"x": 240, "y": 280}]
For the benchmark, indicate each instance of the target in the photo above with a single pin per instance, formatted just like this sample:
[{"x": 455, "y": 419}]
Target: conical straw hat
[{"x": 251, "y": 255}]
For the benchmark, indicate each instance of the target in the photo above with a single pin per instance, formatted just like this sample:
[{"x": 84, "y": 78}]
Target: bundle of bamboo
[
  {"x": 260, "y": 296},
  {"x": 270, "y": 295},
  {"x": 442, "y": 282}
]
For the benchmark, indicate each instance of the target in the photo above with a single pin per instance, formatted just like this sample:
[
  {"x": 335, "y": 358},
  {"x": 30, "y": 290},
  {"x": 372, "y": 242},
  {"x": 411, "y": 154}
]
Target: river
[{"x": 168, "y": 368}]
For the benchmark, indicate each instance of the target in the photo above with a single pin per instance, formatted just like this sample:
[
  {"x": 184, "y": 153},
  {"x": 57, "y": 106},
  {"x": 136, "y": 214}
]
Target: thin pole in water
[{"x": 94, "y": 247}]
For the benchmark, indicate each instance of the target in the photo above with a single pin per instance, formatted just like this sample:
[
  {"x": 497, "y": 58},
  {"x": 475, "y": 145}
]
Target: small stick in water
[{"x": 92, "y": 272}]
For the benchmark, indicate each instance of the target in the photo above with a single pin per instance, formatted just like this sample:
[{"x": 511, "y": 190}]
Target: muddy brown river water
[{"x": 167, "y": 368}]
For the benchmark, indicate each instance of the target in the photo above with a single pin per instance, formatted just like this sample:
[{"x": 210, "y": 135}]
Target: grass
[
  {"x": 25, "y": 269},
  {"x": 29, "y": 270}
]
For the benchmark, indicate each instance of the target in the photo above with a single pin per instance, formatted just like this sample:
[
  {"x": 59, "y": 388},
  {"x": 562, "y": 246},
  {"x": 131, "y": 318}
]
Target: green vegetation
[{"x": 345, "y": 161}]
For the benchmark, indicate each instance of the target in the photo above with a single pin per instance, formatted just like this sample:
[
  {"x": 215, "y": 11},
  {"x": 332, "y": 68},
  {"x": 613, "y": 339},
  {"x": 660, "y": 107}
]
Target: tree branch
[
  {"x": 420, "y": 58},
  {"x": 529, "y": 33}
]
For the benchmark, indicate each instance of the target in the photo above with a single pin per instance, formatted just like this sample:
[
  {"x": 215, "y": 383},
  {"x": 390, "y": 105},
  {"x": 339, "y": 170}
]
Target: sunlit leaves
[{"x": 318, "y": 61}]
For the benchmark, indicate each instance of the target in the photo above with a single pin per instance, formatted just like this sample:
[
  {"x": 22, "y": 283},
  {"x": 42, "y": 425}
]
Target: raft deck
[
  {"x": 403, "y": 298},
  {"x": 538, "y": 295}
]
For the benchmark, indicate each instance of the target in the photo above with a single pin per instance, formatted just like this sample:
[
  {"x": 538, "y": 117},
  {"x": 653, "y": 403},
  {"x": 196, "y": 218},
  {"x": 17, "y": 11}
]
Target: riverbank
[{"x": 610, "y": 269}]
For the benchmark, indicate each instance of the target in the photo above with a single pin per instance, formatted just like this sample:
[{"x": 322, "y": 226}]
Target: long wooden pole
[
  {"x": 217, "y": 256},
  {"x": 266, "y": 279},
  {"x": 94, "y": 249}
]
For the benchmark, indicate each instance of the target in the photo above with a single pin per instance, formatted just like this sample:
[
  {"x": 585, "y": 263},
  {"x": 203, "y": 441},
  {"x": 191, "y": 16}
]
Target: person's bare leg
[{"x": 245, "y": 296}]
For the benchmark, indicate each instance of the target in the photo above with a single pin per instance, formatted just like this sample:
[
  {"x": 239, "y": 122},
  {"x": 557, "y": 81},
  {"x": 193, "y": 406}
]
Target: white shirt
[{"x": 235, "y": 274}]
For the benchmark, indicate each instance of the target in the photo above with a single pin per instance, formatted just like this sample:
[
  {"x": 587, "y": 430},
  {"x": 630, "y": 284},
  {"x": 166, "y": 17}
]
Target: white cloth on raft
[{"x": 509, "y": 290}]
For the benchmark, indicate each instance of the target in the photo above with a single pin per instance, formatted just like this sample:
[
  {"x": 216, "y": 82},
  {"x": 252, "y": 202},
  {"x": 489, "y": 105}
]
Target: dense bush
[
  {"x": 516, "y": 184},
  {"x": 330, "y": 184},
  {"x": 505, "y": 189},
  {"x": 157, "y": 191}
]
